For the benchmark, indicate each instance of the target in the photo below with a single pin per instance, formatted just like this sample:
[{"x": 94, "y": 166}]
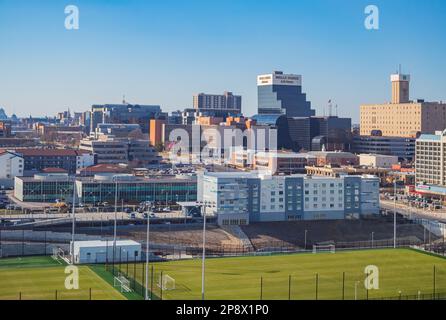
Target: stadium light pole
[
  {"x": 147, "y": 257},
  {"x": 203, "y": 204},
  {"x": 204, "y": 251},
  {"x": 73, "y": 221},
  {"x": 394, "y": 214},
  {"x": 116, "y": 217}
]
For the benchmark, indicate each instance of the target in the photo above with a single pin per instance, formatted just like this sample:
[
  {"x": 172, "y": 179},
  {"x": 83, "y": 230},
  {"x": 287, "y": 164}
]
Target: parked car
[{"x": 132, "y": 215}]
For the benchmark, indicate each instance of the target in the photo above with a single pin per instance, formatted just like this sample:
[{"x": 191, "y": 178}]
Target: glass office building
[
  {"x": 280, "y": 93},
  {"x": 134, "y": 190},
  {"x": 102, "y": 188}
]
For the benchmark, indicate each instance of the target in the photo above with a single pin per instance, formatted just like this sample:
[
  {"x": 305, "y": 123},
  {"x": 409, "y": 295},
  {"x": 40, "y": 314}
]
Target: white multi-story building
[
  {"x": 241, "y": 197},
  {"x": 430, "y": 164},
  {"x": 11, "y": 165}
]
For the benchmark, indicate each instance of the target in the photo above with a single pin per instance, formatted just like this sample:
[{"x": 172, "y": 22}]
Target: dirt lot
[
  {"x": 266, "y": 234},
  {"x": 293, "y": 232}
]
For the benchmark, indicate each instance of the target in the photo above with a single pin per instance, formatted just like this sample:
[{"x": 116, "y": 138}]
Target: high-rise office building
[
  {"x": 330, "y": 133},
  {"x": 280, "y": 93},
  {"x": 218, "y": 105}
]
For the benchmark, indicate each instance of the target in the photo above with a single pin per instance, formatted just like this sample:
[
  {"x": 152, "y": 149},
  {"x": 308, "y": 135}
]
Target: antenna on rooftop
[
  {"x": 330, "y": 107},
  {"x": 123, "y": 99}
]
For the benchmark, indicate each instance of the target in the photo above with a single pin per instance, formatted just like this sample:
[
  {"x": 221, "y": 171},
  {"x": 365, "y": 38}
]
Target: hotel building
[{"x": 241, "y": 197}]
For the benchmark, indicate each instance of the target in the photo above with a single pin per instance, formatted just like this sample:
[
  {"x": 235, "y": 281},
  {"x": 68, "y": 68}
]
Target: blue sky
[{"x": 162, "y": 52}]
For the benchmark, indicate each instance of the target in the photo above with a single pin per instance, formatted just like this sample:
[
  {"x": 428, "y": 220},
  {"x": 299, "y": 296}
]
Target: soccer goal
[
  {"x": 324, "y": 248},
  {"x": 59, "y": 254},
  {"x": 122, "y": 283},
  {"x": 166, "y": 282}
]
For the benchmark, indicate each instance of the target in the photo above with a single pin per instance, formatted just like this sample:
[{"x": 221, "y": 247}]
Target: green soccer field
[
  {"x": 38, "y": 278},
  {"x": 402, "y": 270},
  {"x": 240, "y": 278}
]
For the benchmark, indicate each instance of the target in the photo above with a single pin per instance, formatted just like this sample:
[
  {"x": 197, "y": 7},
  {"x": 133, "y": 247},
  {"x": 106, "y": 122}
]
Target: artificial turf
[
  {"x": 302, "y": 276},
  {"x": 294, "y": 276},
  {"x": 42, "y": 278}
]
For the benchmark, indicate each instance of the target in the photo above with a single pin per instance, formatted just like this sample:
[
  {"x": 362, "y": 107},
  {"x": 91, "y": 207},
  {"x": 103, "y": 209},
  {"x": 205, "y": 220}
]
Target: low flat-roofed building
[
  {"x": 402, "y": 147},
  {"x": 100, "y": 251},
  {"x": 337, "y": 171},
  {"x": 35, "y": 159},
  {"x": 102, "y": 168},
  {"x": 377, "y": 160},
  {"x": 48, "y": 187},
  {"x": 282, "y": 162},
  {"x": 339, "y": 158},
  {"x": 134, "y": 189},
  {"x": 44, "y": 187}
]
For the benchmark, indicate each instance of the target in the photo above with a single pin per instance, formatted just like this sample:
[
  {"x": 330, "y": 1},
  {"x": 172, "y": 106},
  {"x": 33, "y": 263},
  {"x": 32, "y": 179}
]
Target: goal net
[
  {"x": 324, "y": 248},
  {"x": 122, "y": 283},
  {"x": 59, "y": 254},
  {"x": 166, "y": 282}
]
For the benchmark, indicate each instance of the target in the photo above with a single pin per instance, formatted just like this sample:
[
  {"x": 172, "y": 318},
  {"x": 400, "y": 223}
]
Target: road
[
  {"x": 413, "y": 212},
  {"x": 90, "y": 216}
]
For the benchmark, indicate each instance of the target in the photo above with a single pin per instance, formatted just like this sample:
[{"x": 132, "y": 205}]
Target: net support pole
[
  {"x": 261, "y": 288},
  {"x": 161, "y": 291},
  {"x": 151, "y": 283},
  {"x": 433, "y": 280}
]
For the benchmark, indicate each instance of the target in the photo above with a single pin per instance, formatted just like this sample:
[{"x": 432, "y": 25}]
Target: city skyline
[{"x": 162, "y": 56}]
